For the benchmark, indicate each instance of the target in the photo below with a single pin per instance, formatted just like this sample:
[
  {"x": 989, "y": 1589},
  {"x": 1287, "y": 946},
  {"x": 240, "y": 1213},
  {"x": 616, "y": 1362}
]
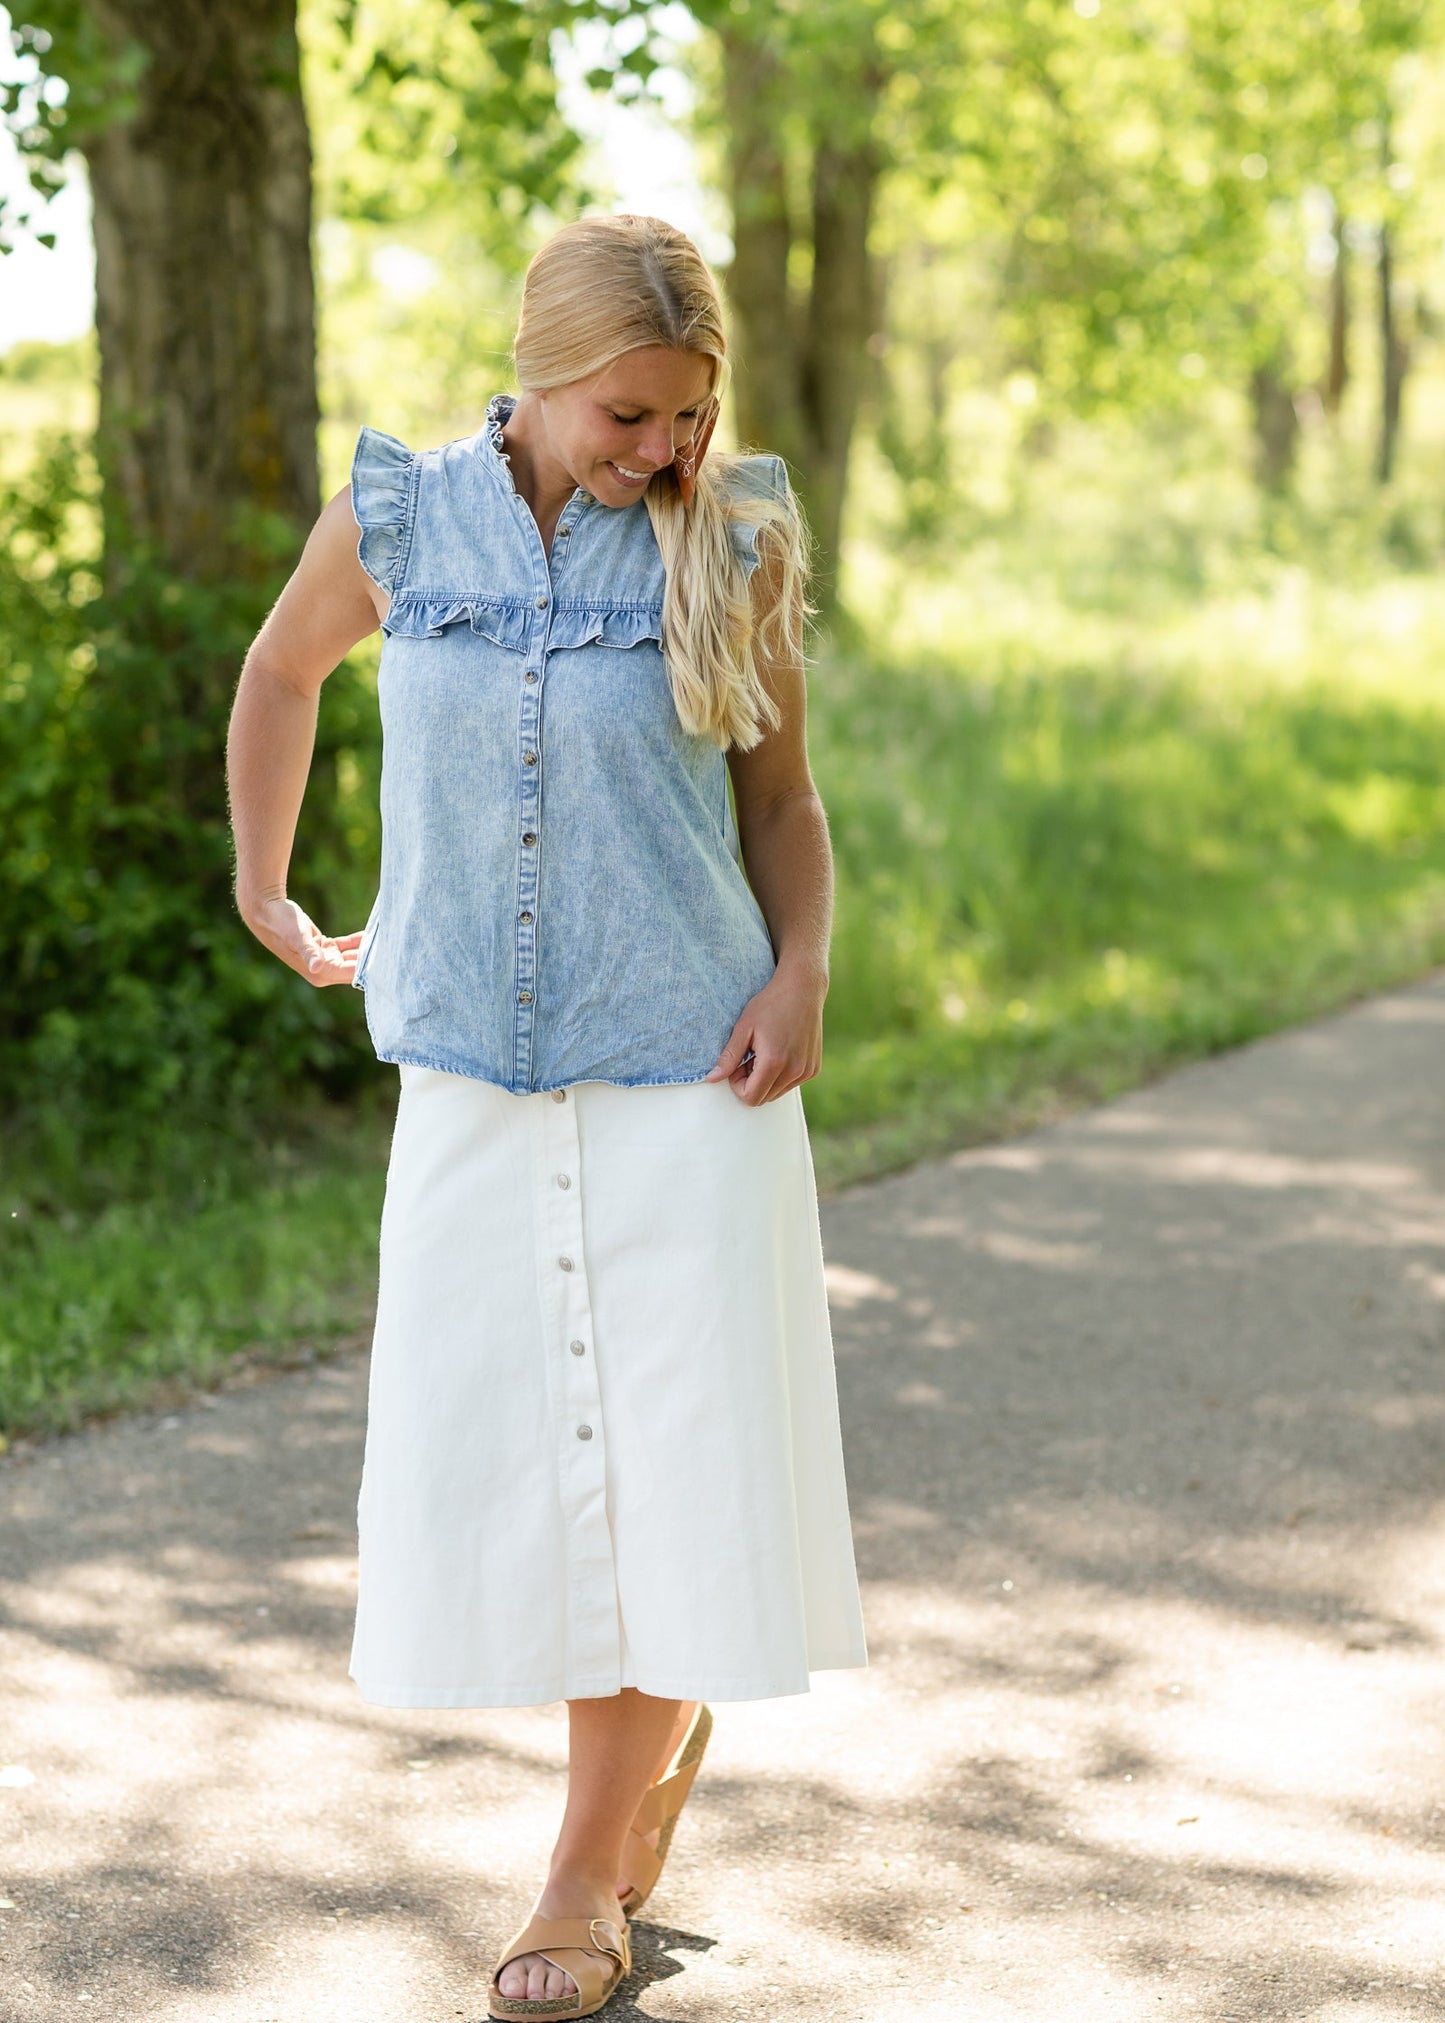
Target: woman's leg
[
  {"x": 616, "y": 1746},
  {"x": 685, "y": 1711}
]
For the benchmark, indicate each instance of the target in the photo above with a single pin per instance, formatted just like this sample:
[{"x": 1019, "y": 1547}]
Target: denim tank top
[{"x": 562, "y": 897}]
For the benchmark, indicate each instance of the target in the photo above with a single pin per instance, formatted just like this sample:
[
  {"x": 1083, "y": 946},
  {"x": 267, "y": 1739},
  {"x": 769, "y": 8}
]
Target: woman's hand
[
  {"x": 778, "y": 1039},
  {"x": 291, "y": 934}
]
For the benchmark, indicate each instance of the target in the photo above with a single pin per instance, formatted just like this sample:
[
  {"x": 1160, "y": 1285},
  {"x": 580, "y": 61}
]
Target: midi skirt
[{"x": 602, "y": 1442}]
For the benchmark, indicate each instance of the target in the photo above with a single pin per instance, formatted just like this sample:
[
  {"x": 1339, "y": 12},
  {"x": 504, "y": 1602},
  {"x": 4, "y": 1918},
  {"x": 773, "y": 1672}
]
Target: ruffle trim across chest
[
  {"x": 512, "y": 621},
  {"x": 386, "y": 484}
]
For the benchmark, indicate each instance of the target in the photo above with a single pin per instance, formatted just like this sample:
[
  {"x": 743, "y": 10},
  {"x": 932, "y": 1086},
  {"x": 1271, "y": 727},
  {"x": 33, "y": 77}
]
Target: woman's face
[{"x": 616, "y": 430}]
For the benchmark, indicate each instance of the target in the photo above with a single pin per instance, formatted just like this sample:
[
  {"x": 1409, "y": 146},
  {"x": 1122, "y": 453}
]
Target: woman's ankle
[{"x": 581, "y": 1883}]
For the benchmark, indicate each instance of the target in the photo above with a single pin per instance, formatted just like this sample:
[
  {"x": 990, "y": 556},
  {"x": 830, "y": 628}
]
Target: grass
[
  {"x": 1111, "y": 790},
  {"x": 209, "y": 1257},
  {"x": 1086, "y": 848}
]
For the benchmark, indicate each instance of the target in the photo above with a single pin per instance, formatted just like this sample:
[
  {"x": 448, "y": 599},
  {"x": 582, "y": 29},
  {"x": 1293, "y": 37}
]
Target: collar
[
  {"x": 489, "y": 437},
  {"x": 489, "y": 440}
]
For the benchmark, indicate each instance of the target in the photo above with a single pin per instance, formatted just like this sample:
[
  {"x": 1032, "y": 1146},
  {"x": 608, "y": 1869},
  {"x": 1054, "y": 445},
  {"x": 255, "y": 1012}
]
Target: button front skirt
[{"x": 602, "y": 1443}]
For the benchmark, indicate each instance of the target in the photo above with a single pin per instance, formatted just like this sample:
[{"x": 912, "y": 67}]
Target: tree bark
[
  {"x": 802, "y": 351},
  {"x": 205, "y": 310},
  {"x": 766, "y": 388},
  {"x": 840, "y": 322},
  {"x": 1337, "y": 371},
  {"x": 1394, "y": 360},
  {"x": 1276, "y": 427}
]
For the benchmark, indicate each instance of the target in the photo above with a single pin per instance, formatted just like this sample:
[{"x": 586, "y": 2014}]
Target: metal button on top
[
  {"x": 584, "y": 1432},
  {"x": 541, "y": 604},
  {"x": 578, "y": 1348},
  {"x": 525, "y": 918},
  {"x": 529, "y": 758},
  {"x": 559, "y": 1095},
  {"x": 565, "y": 1262},
  {"x": 530, "y": 675},
  {"x": 564, "y": 530},
  {"x": 524, "y": 997},
  {"x": 564, "y": 1180},
  {"x": 529, "y": 837}
]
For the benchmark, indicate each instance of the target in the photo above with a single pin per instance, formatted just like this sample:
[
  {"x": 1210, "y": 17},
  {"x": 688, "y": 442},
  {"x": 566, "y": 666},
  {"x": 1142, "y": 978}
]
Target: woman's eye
[{"x": 627, "y": 420}]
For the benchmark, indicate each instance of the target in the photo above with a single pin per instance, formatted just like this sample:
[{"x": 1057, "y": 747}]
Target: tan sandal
[
  {"x": 573, "y": 1944},
  {"x": 661, "y": 1804}
]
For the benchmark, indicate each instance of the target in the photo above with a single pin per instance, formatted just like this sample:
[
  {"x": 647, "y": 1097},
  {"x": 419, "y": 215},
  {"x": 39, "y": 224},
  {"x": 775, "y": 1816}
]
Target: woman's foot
[
  {"x": 686, "y": 1710},
  {"x": 531, "y": 1976}
]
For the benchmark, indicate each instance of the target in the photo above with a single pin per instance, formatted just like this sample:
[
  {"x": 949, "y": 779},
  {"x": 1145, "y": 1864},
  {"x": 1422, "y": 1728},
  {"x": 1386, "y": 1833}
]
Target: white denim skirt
[{"x": 602, "y": 1443}]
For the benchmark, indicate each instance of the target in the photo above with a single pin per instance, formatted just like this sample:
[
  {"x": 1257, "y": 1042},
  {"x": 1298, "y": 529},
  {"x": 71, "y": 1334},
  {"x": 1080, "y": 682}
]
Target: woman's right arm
[{"x": 327, "y": 606}]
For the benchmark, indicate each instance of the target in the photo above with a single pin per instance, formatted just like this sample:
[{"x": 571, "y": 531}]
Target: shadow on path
[{"x": 1144, "y": 1418}]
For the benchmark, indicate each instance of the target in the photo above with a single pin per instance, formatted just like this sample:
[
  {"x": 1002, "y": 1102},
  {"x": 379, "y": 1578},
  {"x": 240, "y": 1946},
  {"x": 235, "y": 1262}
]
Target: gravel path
[{"x": 1144, "y": 1421}]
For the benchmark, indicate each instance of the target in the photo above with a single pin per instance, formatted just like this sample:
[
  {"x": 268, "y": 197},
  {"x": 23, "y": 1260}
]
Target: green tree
[
  {"x": 1118, "y": 204},
  {"x": 191, "y": 119},
  {"x": 121, "y": 641},
  {"x": 808, "y": 110}
]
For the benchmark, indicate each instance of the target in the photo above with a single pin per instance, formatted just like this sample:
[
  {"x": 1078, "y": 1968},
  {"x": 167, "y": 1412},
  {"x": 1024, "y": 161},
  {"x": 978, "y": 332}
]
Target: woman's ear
[{"x": 691, "y": 454}]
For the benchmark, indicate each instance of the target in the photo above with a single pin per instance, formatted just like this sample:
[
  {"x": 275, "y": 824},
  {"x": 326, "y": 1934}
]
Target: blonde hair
[{"x": 608, "y": 285}]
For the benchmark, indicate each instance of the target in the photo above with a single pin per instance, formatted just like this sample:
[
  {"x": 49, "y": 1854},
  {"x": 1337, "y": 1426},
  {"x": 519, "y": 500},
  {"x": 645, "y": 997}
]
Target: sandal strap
[
  {"x": 663, "y": 1800},
  {"x": 580, "y": 1940},
  {"x": 641, "y": 1863}
]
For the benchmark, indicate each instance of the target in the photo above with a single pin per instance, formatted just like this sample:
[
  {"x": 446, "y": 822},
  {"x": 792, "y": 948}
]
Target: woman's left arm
[{"x": 783, "y": 833}]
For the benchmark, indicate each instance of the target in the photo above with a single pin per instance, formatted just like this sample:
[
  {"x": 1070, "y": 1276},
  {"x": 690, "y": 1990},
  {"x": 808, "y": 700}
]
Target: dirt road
[{"x": 1145, "y": 1421}]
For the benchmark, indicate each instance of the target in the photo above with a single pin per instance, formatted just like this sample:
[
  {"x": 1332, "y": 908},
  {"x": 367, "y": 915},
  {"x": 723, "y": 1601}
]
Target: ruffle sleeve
[
  {"x": 383, "y": 498},
  {"x": 752, "y": 478}
]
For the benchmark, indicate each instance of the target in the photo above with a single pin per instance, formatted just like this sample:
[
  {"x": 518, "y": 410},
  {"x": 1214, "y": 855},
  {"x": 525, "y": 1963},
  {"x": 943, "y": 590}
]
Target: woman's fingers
[
  {"x": 328, "y": 961},
  {"x": 732, "y": 1057},
  {"x": 291, "y": 934}
]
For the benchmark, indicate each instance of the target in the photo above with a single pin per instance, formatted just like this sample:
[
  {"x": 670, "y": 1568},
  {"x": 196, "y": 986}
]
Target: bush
[{"x": 131, "y": 984}]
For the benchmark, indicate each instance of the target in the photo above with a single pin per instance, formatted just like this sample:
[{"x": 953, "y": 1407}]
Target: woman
[{"x": 602, "y": 1454}]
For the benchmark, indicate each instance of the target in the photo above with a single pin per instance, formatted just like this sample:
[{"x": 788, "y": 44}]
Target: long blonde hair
[{"x": 607, "y": 285}]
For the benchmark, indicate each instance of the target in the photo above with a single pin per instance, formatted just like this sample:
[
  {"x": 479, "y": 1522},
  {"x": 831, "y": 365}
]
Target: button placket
[
  {"x": 530, "y": 769},
  {"x": 529, "y": 825},
  {"x": 562, "y": 540},
  {"x": 578, "y": 1427}
]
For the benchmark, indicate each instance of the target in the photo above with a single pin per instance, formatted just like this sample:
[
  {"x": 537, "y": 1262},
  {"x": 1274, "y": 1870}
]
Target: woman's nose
[{"x": 656, "y": 447}]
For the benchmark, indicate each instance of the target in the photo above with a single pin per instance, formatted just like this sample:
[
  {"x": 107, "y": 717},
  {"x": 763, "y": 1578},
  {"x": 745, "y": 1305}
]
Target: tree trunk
[
  {"x": 1276, "y": 427},
  {"x": 767, "y": 393},
  {"x": 1337, "y": 371},
  {"x": 802, "y": 356},
  {"x": 840, "y": 322},
  {"x": 204, "y": 300},
  {"x": 1394, "y": 359}
]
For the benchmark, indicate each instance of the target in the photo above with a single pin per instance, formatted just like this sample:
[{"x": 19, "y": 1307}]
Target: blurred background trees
[{"x": 1102, "y": 338}]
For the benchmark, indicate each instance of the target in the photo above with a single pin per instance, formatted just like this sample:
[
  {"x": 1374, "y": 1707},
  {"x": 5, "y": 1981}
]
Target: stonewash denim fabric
[{"x": 562, "y": 897}]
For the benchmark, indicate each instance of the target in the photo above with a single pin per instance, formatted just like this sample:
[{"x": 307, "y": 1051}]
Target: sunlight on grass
[
  {"x": 1109, "y": 788},
  {"x": 212, "y": 1251},
  {"x": 1074, "y": 846}
]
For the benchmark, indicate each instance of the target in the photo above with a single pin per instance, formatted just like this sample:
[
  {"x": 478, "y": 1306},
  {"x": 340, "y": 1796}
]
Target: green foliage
[
  {"x": 1115, "y": 790},
  {"x": 1130, "y": 209},
  {"x": 420, "y": 104},
  {"x": 438, "y": 102},
  {"x": 37, "y": 362},
  {"x": 1130, "y": 764},
  {"x": 77, "y": 74},
  {"x": 132, "y": 984},
  {"x": 152, "y": 1272},
  {"x": 1097, "y": 804}
]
